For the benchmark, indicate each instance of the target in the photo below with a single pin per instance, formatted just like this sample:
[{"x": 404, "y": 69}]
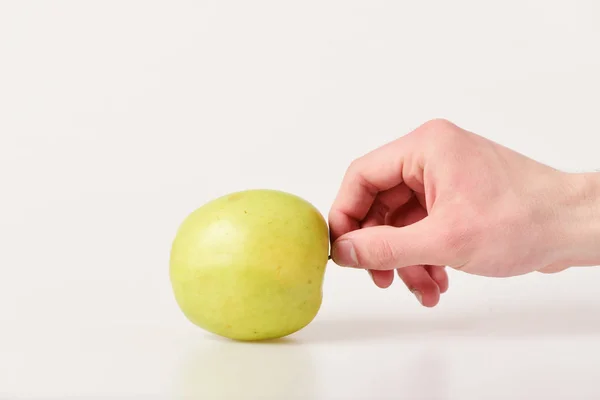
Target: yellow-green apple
[{"x": 250, "y": 265}]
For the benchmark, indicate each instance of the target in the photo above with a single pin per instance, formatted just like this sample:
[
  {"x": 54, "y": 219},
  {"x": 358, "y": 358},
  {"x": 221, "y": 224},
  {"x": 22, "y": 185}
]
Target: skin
[{"x": 442, "y": 196}]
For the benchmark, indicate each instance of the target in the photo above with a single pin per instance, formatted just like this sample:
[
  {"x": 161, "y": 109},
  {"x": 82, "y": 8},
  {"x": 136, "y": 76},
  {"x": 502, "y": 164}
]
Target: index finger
[{"x": 373, "y": 173}]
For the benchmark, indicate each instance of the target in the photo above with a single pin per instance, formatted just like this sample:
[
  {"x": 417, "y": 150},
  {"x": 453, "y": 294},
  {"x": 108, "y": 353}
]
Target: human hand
[{"x": 442, "y": 196}]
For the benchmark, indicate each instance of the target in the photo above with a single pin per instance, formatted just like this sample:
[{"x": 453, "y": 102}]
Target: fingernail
[
  {"x": 418, "y": 295},
  {"x": 344, "y": 254},
  {"x": 371, "y": 275}
]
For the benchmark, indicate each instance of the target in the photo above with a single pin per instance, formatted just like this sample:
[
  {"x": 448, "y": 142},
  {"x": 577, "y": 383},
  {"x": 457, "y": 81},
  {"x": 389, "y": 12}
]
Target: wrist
[{"x": 579, "y": 220}]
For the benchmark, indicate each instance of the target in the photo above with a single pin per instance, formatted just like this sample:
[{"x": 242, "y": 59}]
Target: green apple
[{"x": 250, "y": 265}]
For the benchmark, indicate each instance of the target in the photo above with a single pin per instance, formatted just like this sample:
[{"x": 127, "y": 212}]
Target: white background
[{"x": 118, "y": 118}]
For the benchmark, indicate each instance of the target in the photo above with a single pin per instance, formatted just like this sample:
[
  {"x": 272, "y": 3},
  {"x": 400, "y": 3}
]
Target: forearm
[{"x": 581, "y": 220}]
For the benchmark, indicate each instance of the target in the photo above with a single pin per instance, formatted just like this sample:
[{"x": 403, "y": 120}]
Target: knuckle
[
  {"x": 354, "y": 174},
  {"x": 381, "y": 254},
  {"x": 354, "y": 170},
  {"x": 439, "y": 129},
  {"x": 333, "y": 216},
  {"x": 354, "y": 166},
  {"x": 357, "y": 165},
  {"x": 552, "y": 269},
  {"x": 439, "y": 124}
]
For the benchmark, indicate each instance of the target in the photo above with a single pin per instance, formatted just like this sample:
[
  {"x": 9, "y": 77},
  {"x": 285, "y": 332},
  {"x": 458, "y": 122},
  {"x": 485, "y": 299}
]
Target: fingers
[
  {"x": 387, "y": 247},
  {"x": 368, "y": 176},
  {"x": 553, "y": 269},
  {"x": 411, "y": 241},
  {"x": 439, "y": 275},
  {"x": 382, "y": 279},
  {"x": 421, "y": 284},
  {"x": 422, "y": 200},
  {"x": 408, "y": 214},
  {"x": 418, "y": 279},
  {"x": 386, "y": 203},
  {"x": 400, "y": 161}
]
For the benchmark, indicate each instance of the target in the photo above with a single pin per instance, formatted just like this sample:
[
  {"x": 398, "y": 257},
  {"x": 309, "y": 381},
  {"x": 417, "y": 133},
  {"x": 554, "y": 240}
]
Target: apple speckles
[{"x": 249, "y": 266}]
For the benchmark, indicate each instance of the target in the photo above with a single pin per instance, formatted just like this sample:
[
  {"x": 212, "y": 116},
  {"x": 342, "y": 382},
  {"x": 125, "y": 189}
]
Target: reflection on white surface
[
  {"x": 222, "y": 369},
  {"x": 543, "y": 353},
  {"x": 445, "y": 357}
]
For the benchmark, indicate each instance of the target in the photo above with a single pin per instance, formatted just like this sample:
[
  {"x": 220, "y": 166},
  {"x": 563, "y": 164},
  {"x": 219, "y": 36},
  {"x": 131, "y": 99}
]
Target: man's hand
[{"x": 442, "y": 196}]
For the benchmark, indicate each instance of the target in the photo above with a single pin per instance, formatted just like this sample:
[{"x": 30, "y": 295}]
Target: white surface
[{"x": 119, "y": 118}]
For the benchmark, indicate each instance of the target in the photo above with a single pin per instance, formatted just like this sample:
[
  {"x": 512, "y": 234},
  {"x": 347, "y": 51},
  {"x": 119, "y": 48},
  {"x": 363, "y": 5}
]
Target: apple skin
[{"x": 250, "y": 265}]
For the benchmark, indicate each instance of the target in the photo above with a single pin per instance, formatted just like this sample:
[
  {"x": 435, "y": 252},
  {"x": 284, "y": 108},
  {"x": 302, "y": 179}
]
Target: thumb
[{"x": 386, "y": 247}]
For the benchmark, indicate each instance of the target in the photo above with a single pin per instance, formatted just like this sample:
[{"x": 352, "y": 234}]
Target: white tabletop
[
  {"x": 534, "y": 337},
  {"x": 118, "y": 119}
]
